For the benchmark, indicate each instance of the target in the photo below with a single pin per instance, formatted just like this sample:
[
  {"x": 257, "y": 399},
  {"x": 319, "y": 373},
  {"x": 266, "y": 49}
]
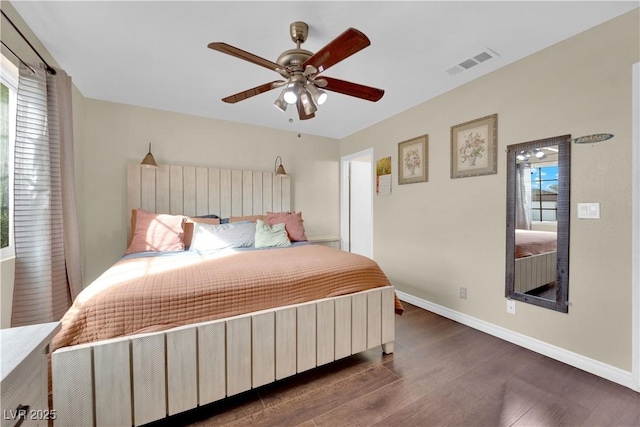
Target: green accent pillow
[{"x": 268, "y": 236}]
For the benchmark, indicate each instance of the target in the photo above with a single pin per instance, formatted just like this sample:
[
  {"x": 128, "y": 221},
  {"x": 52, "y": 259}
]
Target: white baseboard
[{"x": 576, "y": 360}]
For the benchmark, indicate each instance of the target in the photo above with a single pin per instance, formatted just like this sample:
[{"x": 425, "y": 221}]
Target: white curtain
[
  {"x": 47, "y": 275},
  {"x": 523, "y": 197}
]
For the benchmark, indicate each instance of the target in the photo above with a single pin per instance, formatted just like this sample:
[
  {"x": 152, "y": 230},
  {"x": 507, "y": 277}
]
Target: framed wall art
[
  {"x": 383, "y": 176},
  {"x": 474, "y": 147},
  {"x": 413, "y": 156}
]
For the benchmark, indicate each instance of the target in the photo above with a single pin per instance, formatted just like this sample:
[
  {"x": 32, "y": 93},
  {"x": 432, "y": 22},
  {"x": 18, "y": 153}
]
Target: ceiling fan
[{"x": 303, "y": 85}]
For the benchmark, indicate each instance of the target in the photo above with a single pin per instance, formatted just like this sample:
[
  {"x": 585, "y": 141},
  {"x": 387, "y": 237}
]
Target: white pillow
[
  {"x": 223, "y": 236},
  {"x": 268, "y": 236}
]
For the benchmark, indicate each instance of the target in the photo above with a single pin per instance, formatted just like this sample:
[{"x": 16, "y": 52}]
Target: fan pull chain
[{"x": 291, "y": 121}]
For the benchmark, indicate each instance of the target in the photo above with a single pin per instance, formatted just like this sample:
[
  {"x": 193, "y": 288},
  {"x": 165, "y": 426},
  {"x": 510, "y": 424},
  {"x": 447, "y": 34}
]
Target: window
[
  {"x": 544, "y": 193},
  {"x": 8, "y": 99}
]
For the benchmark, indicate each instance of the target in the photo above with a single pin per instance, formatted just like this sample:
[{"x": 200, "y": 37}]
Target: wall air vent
[{"x": 476, "y": 59}]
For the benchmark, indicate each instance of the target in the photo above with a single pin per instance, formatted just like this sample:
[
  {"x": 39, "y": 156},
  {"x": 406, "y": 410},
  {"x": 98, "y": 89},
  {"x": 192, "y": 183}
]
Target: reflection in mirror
[{"x": 538, "y": 185}]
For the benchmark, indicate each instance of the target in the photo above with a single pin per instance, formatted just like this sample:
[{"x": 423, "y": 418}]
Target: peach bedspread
[
  {"x": 149, "y": 294},
  {"x": 533, "y": 242}
]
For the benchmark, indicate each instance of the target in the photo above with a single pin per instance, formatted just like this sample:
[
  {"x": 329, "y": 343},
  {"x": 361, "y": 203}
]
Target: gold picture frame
[
  {"x": 413, "y": 160},
  {"x": 474, "y": 147}
]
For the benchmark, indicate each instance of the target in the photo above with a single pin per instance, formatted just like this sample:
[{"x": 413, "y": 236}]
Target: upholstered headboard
[{"x": 195, "y": 191}]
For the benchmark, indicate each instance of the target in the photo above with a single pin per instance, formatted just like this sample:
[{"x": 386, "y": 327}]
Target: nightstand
[
  {"x": 331, "y": 241},
  {"x": 25, "y": 379}
]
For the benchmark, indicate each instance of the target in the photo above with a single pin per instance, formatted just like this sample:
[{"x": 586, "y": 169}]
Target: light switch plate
[
  {"x": 511, "y": 306},
  {"x": 589, "y": 210}
]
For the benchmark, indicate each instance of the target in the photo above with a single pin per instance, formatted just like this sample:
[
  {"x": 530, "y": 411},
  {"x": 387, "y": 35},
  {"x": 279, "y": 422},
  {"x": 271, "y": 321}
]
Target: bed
[
  {"x": 536, "y": 259},
  {"x": 240, "y": 317}
]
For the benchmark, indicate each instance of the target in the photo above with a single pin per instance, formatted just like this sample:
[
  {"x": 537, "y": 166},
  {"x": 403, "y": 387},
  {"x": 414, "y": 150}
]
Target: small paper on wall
[{"x": 383, "y": 176}]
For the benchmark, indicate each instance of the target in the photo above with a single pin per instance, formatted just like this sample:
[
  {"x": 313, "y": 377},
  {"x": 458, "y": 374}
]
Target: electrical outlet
[
  {"x": 463, "y": 293},
  {"x": 511, "y": 306}
]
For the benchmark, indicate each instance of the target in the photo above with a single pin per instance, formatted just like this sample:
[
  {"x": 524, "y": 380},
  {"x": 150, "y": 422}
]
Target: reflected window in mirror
[{"x": 538, "y": 185}]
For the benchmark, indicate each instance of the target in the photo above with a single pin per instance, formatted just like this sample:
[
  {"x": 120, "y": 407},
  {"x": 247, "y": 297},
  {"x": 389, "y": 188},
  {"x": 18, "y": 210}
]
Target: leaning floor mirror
[{"x": 538, "y": 208}]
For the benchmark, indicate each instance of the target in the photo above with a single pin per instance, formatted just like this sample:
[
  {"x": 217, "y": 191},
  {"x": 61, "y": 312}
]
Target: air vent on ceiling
[{"x": 476, "y": 59}]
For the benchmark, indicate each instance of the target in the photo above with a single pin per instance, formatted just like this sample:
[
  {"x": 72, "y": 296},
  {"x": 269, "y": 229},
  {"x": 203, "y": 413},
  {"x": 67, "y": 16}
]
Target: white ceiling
[{"x": 154, "y": 53}]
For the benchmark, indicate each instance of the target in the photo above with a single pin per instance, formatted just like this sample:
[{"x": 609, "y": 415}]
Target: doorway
[{"x": 356, "y": 202}]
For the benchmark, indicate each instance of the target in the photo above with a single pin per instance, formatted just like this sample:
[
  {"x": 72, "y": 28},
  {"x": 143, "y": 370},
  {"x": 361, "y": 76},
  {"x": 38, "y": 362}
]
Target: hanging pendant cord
[{"x": 49, "y": 69}]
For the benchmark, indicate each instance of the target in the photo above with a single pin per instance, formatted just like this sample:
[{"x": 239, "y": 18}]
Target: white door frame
[
  {"x": 344, "y": 194},
  {"x": 635, "y": 227}
]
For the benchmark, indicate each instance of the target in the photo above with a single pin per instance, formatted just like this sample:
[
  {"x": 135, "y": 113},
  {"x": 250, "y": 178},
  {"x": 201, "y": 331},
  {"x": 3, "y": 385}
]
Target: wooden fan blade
[
  {"x": 353, "y": 89},
  {"x": 241, "y": 54},
  {"x": 343, "y": 46},
  {"x": 301, "y": 113},
  {"x": 241, "y": 96}
]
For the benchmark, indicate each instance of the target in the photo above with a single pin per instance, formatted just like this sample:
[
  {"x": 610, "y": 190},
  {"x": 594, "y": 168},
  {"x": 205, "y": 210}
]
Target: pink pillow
[
  {"x": 293, "y": 224},
  {"x": 157, "y": 232}
]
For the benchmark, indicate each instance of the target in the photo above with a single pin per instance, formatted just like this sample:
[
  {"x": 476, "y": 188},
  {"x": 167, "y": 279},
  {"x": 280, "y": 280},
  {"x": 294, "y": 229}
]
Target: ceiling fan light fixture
[
  {"x": 291, "y": 93},
  {"x": 307, "y": 102},
  {"x": 290, "y": 97},
  {"x": 322, "y": 97},
  {"x": 526, "y": 155},
  {"x": 280, "y": 103},
  {"x": 319, "y": 96}
]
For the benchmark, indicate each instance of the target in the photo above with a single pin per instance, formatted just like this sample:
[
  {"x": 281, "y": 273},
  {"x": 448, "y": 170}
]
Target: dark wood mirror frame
[{"x": 563, "y": 215}]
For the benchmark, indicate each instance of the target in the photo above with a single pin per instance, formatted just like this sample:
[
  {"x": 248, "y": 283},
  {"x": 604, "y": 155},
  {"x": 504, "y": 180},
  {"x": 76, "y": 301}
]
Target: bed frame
[
  {"x": 534, "y": 271},
  {"x": 142, "y": 378}
]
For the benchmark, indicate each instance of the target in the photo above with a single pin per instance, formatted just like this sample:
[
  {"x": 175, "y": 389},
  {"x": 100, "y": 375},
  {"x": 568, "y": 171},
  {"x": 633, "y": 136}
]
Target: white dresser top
[{"x": 19, "y": 343}]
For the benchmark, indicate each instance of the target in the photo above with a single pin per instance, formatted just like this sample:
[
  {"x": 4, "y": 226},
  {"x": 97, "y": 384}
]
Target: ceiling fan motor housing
[
  {"x": 299, "y": 32},
  {"x": 293, "y": 59}
]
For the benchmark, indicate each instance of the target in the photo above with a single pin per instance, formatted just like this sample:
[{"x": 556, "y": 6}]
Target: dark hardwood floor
[{"x": 442, "y": 373}]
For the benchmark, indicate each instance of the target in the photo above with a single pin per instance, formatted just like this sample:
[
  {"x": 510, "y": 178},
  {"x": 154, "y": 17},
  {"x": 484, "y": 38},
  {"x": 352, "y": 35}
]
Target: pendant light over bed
[
  {"x": 148, "y": 160},
  {"x": 279, "y": 169}
]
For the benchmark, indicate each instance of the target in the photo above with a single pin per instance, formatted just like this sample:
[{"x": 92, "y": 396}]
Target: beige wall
[
  {"x": 115, "y": 134},
  {"x": 433, "y": 238}
]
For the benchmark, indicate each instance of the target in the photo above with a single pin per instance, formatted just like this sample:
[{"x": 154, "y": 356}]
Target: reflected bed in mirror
[{"x": 537, "y": 256}]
